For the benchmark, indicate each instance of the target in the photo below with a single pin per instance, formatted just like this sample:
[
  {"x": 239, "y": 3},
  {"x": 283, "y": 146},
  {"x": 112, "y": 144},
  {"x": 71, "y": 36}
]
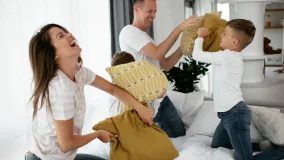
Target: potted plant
[{"x": 186, "y": 75}]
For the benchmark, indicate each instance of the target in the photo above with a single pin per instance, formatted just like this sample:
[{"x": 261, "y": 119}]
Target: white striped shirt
[{"x": 67, "y": 101}]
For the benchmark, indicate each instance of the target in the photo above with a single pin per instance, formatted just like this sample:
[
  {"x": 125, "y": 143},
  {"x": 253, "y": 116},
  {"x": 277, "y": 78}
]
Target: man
[{"x": 134, "y": 39}]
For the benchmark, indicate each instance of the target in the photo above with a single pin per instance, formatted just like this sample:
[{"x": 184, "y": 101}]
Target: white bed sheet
[{"x": 198, "y": 147}]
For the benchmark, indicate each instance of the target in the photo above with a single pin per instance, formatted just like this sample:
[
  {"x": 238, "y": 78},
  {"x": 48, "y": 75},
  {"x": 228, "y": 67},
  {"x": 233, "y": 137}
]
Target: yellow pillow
[
  {"x": 142, "y": 80},
  {"x": 190, "y": 34},
  {"x": 137, "y": 140},
  {"x": 216, "y": 26}
]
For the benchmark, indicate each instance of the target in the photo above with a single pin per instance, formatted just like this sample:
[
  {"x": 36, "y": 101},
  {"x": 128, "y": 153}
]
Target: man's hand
[
  {"x": 191, "y": 21},
  {"x": 105, "y": 136},
  {"x": 145, "y": 114},
  {"x": 203, "y": 32}
]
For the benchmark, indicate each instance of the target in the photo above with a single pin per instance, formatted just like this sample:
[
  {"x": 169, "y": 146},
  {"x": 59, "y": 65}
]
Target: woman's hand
[
  {"x": 203, "y": 32},
  {"x": 146, "y": 114},
  {"x": 105, "y": 136},
  {"x": 163, "y": 94},
  {"x": 191, "y": 21}
]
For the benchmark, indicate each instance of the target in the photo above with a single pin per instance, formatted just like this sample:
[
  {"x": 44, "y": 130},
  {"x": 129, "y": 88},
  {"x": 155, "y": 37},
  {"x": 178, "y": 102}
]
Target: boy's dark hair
[
  {"x": 122, "y": 58},
  {"x": 244, "y": 31}
]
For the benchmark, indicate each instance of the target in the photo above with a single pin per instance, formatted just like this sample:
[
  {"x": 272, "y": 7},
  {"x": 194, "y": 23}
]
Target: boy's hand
[
  {"x": 145, "y": 114},
  {"x": 203, "y": 32}
]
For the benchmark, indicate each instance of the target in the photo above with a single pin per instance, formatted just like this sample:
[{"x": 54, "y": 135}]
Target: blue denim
[
  {"x": 78, "y": 157},
  {"x": 233, "y": 131},
  {"x": 277, "y": 154},
  {"x": 87, "y": 157},
  {"x": 169, "y": 120}
]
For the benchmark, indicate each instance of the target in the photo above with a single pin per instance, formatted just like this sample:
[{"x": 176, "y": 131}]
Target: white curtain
[{"x": 88, "y": 20}]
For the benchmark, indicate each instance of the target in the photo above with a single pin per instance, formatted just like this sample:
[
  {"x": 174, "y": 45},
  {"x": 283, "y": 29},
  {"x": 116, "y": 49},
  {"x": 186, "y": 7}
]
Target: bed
[{"x": 200, "y": 122}]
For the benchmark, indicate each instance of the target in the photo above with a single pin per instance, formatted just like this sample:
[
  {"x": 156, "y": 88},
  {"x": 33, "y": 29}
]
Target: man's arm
[
  {"x": 168, "y": 63},
  {"x": 159, "y": 52}
]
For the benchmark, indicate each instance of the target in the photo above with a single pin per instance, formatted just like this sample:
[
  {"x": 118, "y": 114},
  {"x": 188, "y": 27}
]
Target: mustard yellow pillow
[
  {"x": 137, "y": 140},
  {"x": 190, "y": 34},
  {"x": 216, "y": 26},
  {"x": 142, "y": 80}
]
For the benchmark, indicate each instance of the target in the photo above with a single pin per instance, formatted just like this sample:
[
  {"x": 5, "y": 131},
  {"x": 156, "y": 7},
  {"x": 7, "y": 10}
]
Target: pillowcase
[
  {"x": 216, "y": 25},
  {"x": 190, "y": 34},
  {"x": 141, "y": 79},
  {"x": 137, "y": 140},
  {"x": 270, "y": 123},
  {"x": 187, "y": 105},
  {"x": 206, "y": 121}
]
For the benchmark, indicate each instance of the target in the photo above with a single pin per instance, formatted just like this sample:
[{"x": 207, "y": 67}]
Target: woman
[{"x": 58, "y": 97}]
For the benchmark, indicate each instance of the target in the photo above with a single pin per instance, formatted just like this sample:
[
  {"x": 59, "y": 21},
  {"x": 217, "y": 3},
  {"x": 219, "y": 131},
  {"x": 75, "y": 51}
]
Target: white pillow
[
  {"x": 206, "y": 121},
  {"x": 270, "y": 123},
  {"x": 187, "y": 105}
]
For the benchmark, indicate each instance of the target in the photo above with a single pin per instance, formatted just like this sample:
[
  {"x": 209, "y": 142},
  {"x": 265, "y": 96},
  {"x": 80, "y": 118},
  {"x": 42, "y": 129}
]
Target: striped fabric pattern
[{"x": 141, "y": 79}]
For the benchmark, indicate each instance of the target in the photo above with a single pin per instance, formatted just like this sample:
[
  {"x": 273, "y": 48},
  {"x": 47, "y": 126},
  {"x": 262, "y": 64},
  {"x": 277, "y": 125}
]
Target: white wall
[
  {"x": 203, "y": 6},
  {"x": 170, "y": 13}
]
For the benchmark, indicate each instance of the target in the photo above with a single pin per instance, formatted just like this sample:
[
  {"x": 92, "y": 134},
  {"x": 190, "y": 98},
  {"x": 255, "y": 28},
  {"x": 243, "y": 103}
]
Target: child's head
[
  {"x": 122, "y": 58},
  {"x": 238, "y": 34}
]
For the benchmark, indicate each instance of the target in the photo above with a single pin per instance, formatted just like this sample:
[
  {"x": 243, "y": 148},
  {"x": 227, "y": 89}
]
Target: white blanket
[{"x": 198, "y": 147}]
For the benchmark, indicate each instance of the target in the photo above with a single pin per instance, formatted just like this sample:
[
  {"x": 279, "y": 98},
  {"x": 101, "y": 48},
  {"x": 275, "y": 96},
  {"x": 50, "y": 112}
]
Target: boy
[
  {"x": 123, "y": 58},
  {"x": 234, "y": 129}
]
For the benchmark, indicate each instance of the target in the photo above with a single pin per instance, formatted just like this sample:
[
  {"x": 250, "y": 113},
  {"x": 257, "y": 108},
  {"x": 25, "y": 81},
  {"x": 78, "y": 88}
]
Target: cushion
[
  {"x": 216, "y": 25},
  {"x": 190, "y": 34},
  {"x": 137, "y": 140},
  {"x": 206, "y": 121},
  {"x": 270, "y": 124},
  {"x": 141, "y": 79},
  {"x": 187, "y": 105}
]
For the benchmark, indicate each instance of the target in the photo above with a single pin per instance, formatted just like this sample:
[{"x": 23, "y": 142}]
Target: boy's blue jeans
[
  {"x": 277, "y": 154},
  {"x": 169, "y": 120},
  {"x": 78, "y": 157},
  {"x": 233, "y": 131}
]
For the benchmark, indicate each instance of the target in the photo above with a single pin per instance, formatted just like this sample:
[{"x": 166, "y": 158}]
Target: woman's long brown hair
[
  {"x": 42, "y": 59},
  {"x": 44, "y": 67}
]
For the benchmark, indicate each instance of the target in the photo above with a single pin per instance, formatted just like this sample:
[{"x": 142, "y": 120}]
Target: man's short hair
[
  {"x": 138, "y": 2},
  {"x": 122, "y": 58},
  {"x": 244, "y": 31}
]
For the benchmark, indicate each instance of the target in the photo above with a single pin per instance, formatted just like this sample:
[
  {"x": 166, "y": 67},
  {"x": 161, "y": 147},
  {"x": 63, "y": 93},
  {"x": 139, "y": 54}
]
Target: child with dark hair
[
  {"x": 122, "y": 58},
  {"x": 234, "y": 129}
]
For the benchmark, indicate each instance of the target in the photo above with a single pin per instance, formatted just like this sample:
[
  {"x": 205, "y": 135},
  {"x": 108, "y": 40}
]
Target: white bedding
[{"x": 198, "y": 147}]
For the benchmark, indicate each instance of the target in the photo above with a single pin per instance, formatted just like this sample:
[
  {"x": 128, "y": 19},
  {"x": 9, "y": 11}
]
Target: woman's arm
[
  {"x": 67, "y": 141},
  {"x": 145, "y": 113}
]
